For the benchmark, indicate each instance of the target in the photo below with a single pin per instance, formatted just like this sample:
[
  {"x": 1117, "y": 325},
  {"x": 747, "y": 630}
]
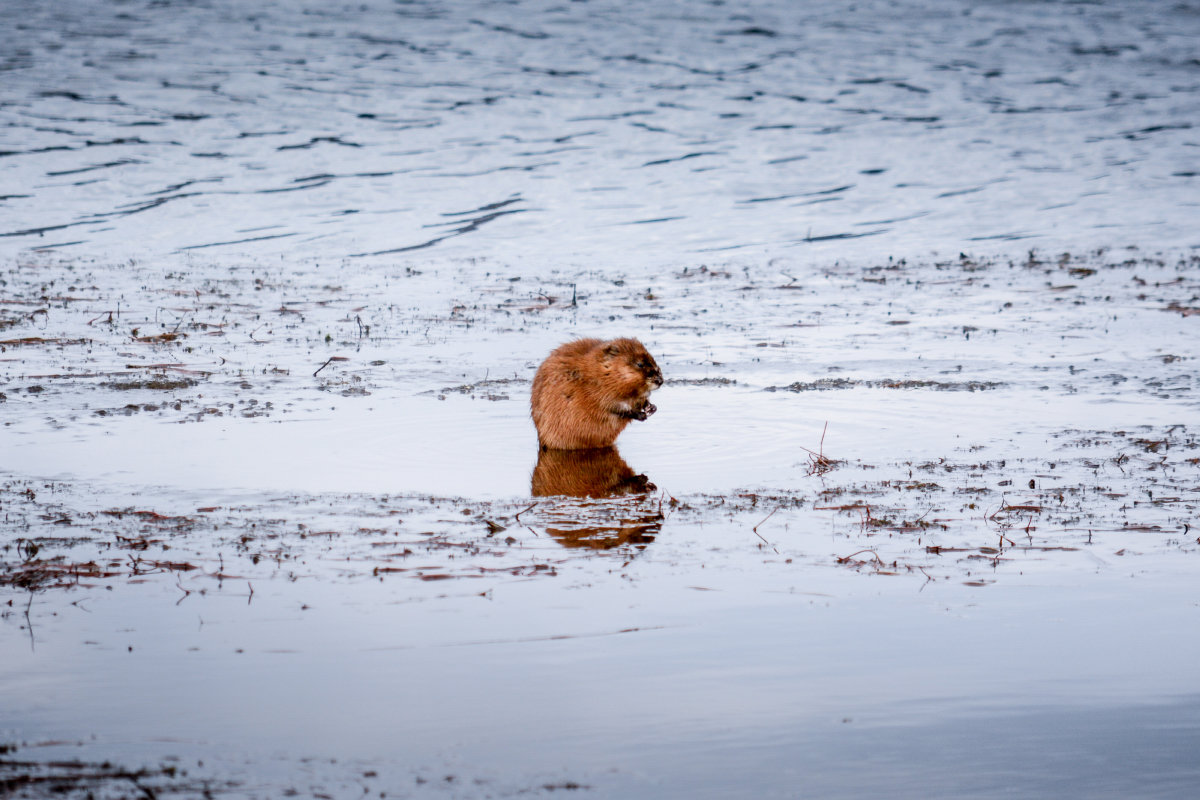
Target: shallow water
[{"x": 923, "y": 510}]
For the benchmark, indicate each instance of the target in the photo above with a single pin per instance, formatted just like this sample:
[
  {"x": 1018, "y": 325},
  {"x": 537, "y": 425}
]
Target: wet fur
[
  {"x": 586, "y": 473},
  {"x": 587, "y": 391}
]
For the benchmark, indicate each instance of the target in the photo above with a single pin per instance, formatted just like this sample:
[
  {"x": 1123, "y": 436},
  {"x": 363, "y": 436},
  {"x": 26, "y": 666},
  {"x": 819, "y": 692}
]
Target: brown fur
[
  {"x": 587, "y": 391},
  {"x": 586, "y": 473},
  {"x": 638, "y": 532}
]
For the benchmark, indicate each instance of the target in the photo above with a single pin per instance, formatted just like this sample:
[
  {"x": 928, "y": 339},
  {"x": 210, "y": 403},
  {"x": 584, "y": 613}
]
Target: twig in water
[
  {"x": 328, "y": 362},
  {"x": 759, "y": 535},
  {"x": 29, "y": 622},
  {"x": 517, "y": 516},
  {"x": 767, "y": 517},
  {"x": 844, "y": 559}
]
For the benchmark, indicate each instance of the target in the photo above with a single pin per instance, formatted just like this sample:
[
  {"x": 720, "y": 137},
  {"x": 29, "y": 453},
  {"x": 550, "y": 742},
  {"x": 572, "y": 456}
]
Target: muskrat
[{"x": 587, "y": 391}]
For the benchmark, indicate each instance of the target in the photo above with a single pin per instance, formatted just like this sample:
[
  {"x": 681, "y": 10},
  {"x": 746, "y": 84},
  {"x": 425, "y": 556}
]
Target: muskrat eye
[{"x": 640, "y": 365}]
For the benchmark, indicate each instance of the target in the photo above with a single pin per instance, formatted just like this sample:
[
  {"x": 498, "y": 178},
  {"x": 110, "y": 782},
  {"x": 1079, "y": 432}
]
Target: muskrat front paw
[{"x": 645, "y": 411}]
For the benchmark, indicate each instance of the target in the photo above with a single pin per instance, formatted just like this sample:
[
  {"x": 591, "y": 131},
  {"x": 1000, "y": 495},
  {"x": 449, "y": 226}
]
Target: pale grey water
[{"x": 991, "y": 594}]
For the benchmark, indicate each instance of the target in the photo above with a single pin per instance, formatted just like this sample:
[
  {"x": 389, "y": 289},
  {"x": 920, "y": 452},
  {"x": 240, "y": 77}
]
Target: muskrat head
[{"x": 631, "y": 369}]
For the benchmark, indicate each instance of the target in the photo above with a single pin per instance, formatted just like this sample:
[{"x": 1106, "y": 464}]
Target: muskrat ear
[{"x": 611, "y": 350}]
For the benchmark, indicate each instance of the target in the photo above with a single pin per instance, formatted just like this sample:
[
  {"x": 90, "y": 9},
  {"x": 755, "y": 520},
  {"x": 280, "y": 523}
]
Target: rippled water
[
  {"x": 597, "y": 132},
  {"x": 922, "y": 282}
]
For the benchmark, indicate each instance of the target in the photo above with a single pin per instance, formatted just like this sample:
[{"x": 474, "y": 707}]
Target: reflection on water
[
  {"x": 635, "y": 530},
  {"x": 596, "y": 474},
  {"x": 599, "y": 472}
]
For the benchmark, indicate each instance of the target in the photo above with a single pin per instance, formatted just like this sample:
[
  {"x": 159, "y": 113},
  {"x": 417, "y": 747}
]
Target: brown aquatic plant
[{"x": 818, "y": 462}]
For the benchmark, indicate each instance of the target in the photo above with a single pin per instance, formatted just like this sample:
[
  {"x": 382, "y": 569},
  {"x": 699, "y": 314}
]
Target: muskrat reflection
[{"x": 598, "y": 473}]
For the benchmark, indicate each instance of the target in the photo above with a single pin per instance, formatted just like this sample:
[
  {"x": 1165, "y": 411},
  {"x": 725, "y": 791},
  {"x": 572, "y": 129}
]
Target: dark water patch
[
  {"x": 111, "y": 100},
  {"x": 260, "y": 134},
  {"x": 50, "y": 149},
  {"x": 770, "y": 199},
  {"x": 137, "y": 208},
  {"x": 750, "y": 31},
  {"x": 537, "y": 35},
  {"x": 309, "y": 184},
  {"x": 681, "y": 158},
  {"x": 55, "y": 245},
  {"x": 555, "y": 73},
  {"x": 237, "y": 241},
  {"x": 466, "y": 226},
  {"x": 325, "y": 177},
  {"x": 958, "y": 192},
  {"x": 1041, "y": 109},
  {"x": 177, "y": 186},
  {"x": 1003, "y": 237},
  {"x": 1103, "y": 49},
  {"x": 494, "y": 170},
  {"x": 195, "y": 87},
  {"x": 636, "y": 59},
  {"x": 316, "y": 140},
  {"x": 614, "y": 116},
  {"x": 651, "y": 221},
  {"x": 1143, "y": 132},
  {"x": 107, "y": 165},
  {"x": 816, "y": 201},
  {"x": 835, "y": 236},
  {"x": 834, "y": 190},
  {"x": 918, "y": 215},
  {"x": 407, "y": 45},
  {"x": 488, "y": 207},
  {"x": 924, "y": 119},
  {"x": 40, "y": 231},
  {"x": 125, "y": 141}
]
